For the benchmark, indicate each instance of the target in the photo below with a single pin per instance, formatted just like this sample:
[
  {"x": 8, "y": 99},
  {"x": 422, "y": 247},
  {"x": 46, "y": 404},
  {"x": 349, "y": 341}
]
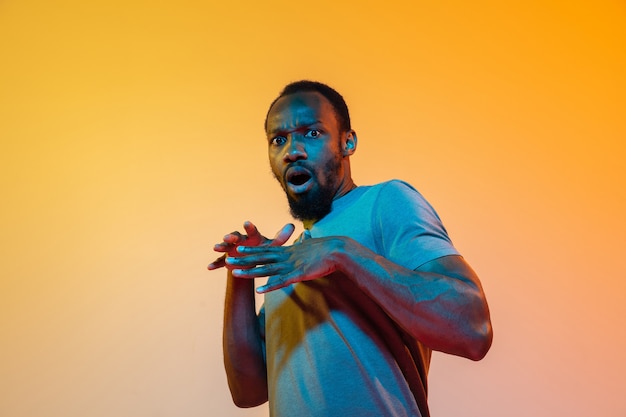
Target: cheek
[{"x": 274, "y": 165}]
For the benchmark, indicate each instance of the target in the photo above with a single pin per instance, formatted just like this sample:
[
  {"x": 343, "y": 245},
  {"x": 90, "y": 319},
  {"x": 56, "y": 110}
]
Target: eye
[
  {"x": 313, "y": 134},
  {"x": 278, "y": 140}
]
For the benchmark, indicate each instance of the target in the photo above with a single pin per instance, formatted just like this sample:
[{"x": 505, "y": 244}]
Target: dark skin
[
  {"x": 243, "y": 352},
  {"x": 441, "y": 303}
]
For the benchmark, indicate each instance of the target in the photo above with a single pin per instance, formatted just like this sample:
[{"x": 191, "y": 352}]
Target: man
[{"x": 353, "y": 309}]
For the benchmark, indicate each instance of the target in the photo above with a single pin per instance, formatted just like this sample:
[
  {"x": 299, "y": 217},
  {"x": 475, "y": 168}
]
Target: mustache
[{"x": 299, "y": 164}]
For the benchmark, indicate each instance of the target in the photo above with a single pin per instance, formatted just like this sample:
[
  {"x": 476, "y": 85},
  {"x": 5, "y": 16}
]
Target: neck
[
  {"x": 344, "y": 188},
  {"x": 346, "y": 184}
]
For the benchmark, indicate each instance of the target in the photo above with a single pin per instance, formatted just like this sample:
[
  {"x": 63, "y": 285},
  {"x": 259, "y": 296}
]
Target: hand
[
  {"x": 285, "y": 265},
  {"x": 253, "y": 238}
]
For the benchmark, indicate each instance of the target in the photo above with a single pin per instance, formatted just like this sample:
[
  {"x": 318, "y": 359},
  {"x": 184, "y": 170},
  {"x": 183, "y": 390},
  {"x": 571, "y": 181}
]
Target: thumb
[{"x": 283, "y": 235}]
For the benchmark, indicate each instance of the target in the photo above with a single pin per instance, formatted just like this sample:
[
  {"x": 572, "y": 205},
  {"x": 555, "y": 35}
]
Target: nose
[{"x": 294, "y": 150}]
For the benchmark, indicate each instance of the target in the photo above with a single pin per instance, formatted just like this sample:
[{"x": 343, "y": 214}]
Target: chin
[{"x": 312, "y": 205}]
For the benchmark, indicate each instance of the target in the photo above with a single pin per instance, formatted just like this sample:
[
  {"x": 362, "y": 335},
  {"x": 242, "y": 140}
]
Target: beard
[{"x": 317, "y": 203}]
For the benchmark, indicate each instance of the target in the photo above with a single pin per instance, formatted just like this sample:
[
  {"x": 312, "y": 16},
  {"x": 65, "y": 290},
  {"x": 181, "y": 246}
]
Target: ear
[{"x": 349, "y": 144}]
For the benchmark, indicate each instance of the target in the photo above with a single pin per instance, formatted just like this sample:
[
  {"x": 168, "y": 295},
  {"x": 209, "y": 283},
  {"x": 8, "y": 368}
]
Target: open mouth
[{"x": 298, "y": 179}]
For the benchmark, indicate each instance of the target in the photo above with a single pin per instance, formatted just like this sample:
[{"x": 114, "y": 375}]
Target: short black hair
[{"x": 337, "y": 101}]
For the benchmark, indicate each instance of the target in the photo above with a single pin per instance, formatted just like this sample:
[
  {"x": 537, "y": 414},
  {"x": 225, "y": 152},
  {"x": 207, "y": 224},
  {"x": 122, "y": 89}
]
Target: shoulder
[
  {"x": 396, "y": 186},
  {"x": 411, "y": 231},
  {"x": 400, "y": 194}
]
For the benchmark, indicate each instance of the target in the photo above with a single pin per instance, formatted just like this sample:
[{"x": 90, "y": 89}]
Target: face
[{"x": 308, "y": 153}]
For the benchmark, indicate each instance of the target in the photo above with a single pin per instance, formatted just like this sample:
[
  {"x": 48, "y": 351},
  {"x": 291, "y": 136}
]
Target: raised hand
[
  {"x": 252, "y": 238},
  {"x": 285, "y": 265}
]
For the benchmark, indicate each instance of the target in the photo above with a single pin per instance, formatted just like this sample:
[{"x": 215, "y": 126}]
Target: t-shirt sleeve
[{"x": 410, "y": 230}]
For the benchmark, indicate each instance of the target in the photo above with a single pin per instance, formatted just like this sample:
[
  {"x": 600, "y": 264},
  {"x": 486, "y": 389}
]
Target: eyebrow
[{"x": 300, "y": 126}]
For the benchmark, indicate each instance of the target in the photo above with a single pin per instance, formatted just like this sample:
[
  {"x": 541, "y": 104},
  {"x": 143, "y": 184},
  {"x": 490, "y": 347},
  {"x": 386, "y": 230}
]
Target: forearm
[
  {"x": 243, "y": 352},
  {"x": 441, "y": 304}
]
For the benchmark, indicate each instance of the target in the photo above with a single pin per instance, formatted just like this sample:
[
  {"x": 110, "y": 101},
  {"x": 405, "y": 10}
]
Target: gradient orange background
[{"x": 132, "y": 141}]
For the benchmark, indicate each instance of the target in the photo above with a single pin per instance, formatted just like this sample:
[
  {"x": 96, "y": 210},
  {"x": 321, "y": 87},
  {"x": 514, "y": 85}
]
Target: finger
[
  {"x": 255, "y": 250},
  {"x": 218, "y": 263},
  {"x": 254, "y": 260},
  {"x": 288, "y": 277},
  {"x": 283, "y": 235},
  {"x": 251, "y": 230},
  {"x": 258, "y": 272},
  {"x": 273, "y": 283},
  {"x": 223, "y": 247},
  {"x": 234, "y": 238}
]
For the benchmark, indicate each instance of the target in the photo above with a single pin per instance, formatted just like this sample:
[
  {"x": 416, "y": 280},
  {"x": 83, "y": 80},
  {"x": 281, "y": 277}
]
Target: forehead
[{"x": 300, "y": 109}]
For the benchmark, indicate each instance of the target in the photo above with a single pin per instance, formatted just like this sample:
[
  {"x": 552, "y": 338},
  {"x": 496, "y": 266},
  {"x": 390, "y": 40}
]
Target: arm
[
  {"x": 441, "y": 303},
  {"x": 244, "y": 359},
  {"x": 243, "y": 351}
]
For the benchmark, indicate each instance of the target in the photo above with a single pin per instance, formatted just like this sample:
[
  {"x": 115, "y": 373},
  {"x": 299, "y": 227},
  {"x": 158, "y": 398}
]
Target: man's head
[
  {"x": 309, "y": 145},
  {"x": 335, "y": 99}
]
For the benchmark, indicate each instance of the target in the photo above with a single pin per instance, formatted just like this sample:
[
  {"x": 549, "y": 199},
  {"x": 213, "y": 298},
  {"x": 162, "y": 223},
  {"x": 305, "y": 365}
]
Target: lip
[{"x": 298, "y": 188}]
